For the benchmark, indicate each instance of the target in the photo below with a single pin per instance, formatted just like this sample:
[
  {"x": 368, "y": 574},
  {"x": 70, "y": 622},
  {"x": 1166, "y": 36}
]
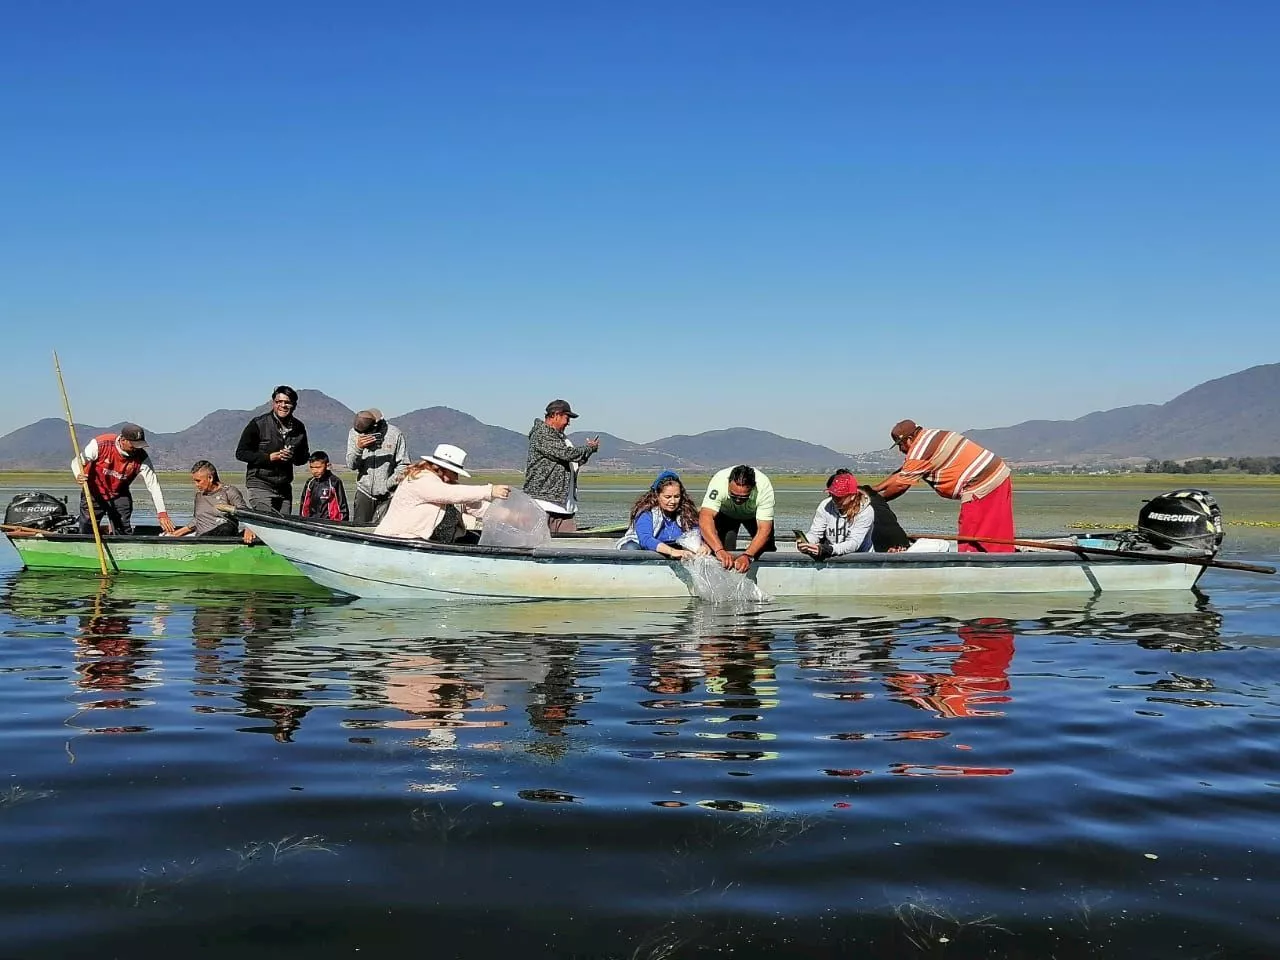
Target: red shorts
[{"x": 989, "y": 516}]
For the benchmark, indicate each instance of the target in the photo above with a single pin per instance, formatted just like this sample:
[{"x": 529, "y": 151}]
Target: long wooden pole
[
  {"x": 84, "y": 484},
  {"x": 1076, "y": 548}
]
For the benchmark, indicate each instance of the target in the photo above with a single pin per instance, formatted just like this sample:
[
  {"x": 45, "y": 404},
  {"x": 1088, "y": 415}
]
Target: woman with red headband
[{"x": 843, "y": 521}]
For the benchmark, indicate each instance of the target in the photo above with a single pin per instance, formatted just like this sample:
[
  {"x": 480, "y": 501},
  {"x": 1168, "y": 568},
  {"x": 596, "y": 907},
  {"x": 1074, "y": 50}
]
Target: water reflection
[{"x": 686, "y": 682}]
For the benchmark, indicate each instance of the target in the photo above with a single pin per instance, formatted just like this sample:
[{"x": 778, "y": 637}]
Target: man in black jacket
[{"x": 271, "y": 444}]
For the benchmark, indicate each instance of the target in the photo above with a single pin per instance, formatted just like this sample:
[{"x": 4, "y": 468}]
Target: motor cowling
[
  {"x": 40, "y": 511},
  {"x": 1189, "y": 519}
]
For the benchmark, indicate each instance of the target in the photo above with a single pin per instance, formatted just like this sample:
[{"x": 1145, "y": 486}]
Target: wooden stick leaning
[
  {"x": 84, "y": 484},
  {"x": 1076, "y": 548}
]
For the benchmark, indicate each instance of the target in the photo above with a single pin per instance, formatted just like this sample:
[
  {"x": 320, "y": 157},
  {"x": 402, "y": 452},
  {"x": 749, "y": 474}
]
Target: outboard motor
[
  {"x": 1189, "y": 519},
  {"x": 40, "y": 511}
]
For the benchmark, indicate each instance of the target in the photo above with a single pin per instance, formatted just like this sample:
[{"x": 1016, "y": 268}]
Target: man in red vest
[{"x": 110, "y": 463}]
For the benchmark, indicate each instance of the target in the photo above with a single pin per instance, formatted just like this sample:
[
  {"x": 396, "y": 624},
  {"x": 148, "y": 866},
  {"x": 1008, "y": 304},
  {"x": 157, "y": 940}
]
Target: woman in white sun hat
[{"x": 429, "y": 503}]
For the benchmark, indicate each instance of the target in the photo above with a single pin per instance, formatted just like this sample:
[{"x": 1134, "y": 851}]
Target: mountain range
[
  {"x": 1232, "y": 416},
  {"x": 44, "y": 445}
]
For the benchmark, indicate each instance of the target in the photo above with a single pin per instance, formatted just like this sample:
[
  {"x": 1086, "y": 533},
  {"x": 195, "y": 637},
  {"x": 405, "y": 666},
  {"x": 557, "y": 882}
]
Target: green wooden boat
[{"x": 146, "y": 552}]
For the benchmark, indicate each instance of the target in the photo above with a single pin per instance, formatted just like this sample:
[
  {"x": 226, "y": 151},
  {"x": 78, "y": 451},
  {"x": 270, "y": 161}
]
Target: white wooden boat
[{"x": 363, "y": 564}]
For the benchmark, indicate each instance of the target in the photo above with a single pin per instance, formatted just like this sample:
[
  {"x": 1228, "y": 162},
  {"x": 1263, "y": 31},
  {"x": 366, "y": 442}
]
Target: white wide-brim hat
[{"x": 449, "y": 457}]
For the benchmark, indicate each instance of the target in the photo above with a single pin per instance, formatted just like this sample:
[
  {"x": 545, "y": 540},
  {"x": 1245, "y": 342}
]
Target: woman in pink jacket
[{"x": 429, "y": 503}]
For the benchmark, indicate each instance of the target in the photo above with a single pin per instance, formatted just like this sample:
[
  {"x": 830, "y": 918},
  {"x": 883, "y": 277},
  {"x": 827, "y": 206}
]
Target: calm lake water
[{"x": 220, "y": 771}]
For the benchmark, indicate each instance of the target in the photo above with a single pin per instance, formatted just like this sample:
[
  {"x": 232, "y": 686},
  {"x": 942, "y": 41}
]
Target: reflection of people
[
  {"x": 426, "y": 505},
  {"x": 212, "y": 493},
  {"x": 438, "y": 698},
  {"x": 980, "y": 670},
  {"x": 665, "y": 521},
  {"x": 323, "y": 495},
  {"x": 270, "y": 445},
  {"x": 377, "y": 452},
  {"x": 737, "y": 498},
  {"x": 958, "y": 469},
  {"x": 108, "y": 465},
  {"x": 551, "y": 476}
]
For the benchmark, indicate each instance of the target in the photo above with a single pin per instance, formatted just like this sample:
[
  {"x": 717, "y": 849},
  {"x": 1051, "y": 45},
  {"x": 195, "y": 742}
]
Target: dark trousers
[
  {"x": 727, "y": 530},
  {"x": 119, "y": 511},
  {"x": 369, "y": 510},
  {"x": 270, "y": 501}
]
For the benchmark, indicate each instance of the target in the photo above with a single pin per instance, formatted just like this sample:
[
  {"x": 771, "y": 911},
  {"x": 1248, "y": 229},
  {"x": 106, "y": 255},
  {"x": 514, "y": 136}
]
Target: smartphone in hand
[{"x": 801, "y": 537}]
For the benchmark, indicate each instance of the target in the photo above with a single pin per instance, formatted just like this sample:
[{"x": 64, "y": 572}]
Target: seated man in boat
[
  {"x": 665, "y": 521},
  {"x": 108, "y": 465},
  {"x": 212, "y": 493},
  {"x": 426, "y": 504},
  {"x": 737, "y": 498},
  {"x": 959, "y": 469}
]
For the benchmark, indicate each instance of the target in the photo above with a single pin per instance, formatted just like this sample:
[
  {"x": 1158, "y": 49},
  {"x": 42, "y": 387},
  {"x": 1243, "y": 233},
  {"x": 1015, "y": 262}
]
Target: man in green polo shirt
[{"x": 737, "y": 498}]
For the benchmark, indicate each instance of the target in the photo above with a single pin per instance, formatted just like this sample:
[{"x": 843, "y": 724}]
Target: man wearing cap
[
  {"x": 269, "y": 446},
  {"x": 738, "y": 497},
  {"x": 958, "y": 469},
  {"x": 377, "y": 452},
  {"x": 109, "y": 464},
  {"x": 551, "y": 477}
]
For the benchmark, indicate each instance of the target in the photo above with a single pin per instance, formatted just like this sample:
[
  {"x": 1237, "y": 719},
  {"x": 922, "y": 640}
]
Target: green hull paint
[{"x": 154, "y": 556}]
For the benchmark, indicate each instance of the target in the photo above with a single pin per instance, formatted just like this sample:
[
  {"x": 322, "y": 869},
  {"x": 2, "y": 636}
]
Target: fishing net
[
  {"x": 713, "y": 583},
  {"x": 515, "y": 522}
]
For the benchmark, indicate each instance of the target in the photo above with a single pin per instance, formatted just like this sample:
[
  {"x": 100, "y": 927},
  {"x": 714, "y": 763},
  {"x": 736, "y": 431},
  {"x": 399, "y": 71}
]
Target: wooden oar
[
  {"x": 1102, "y": 551},
  {"x": 22, "y": 531},
  {"x": 84, "y": 484}
]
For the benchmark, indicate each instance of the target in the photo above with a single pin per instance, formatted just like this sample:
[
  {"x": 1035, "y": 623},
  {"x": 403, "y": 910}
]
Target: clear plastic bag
[
  {"x": 515, "y": 522},
  {"x": 712, "y": 582}
]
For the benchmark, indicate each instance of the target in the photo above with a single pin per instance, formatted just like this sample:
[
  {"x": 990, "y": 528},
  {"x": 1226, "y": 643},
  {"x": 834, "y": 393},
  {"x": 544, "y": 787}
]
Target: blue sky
[{"x": 812, "y": 218}]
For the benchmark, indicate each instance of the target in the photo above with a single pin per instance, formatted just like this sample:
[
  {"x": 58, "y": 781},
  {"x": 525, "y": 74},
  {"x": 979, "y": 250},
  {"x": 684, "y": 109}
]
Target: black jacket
[
  {"x": 886, "y": 532},
  {"x": 262, "y": 437}
]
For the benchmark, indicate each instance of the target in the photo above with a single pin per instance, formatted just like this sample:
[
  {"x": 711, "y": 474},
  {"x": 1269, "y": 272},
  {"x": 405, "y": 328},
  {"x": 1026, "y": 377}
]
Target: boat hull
[
  {"x": 364, "y": 565},
  {"x": 230, "y": 556}
]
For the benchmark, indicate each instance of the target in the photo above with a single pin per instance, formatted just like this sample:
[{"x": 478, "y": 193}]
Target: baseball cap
[
  {"x": 560, "y": 406},
  {"x": 134, "y": 434}
]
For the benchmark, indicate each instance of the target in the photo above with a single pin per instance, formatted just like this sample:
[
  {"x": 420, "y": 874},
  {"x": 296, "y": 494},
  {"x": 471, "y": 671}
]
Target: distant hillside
[
  {"x": 44, "y": 445},
  {"x": 1233, "y": 416}
]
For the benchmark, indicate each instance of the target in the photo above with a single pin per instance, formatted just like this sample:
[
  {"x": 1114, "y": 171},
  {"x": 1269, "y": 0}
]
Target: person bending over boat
[
  {"x": 737, "y": 498},
  {"x": 270, "y": 445},
  {"x": 108, "y": 466},
  {"x": 665, "y": 521},
  {"x": 429, "y": 503},
  {"x": 958, "y": 469},
  {"x": 212, "y": 493}
]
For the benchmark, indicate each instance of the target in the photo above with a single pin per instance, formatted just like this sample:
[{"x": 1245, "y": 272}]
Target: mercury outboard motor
[
  {"x": 40, "y": 511},
  {"x": 1189, "y": 519}
]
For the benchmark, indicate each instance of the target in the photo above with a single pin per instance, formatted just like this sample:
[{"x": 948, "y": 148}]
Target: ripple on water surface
[{"x": 224, "y": 772}]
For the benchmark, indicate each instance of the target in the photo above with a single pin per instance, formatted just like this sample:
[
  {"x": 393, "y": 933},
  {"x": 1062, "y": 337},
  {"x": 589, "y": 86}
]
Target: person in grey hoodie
[
  {"x": 377, "y": 452},
  {"x": 551, "y": 477}
]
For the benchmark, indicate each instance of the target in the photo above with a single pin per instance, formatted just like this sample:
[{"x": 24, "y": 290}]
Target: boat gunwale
[{"x": 335, "y": 531}]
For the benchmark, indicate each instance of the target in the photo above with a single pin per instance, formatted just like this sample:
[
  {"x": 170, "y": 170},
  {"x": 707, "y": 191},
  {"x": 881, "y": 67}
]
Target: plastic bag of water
[
  {"x": 714, "y": 583},
  {"x": 515, "y": 522}
]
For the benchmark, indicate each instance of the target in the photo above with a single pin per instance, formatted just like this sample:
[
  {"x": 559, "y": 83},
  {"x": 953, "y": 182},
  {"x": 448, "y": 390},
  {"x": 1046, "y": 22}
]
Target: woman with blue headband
[{"x": 665, "y": 520}]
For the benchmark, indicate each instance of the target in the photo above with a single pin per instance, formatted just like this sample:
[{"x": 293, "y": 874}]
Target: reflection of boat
[
  {"x": 147, "y": 552},
  {"x": 365, "y": 565}
]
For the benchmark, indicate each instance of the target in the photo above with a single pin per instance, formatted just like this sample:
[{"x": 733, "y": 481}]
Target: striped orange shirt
[{"x": 956, "y": 467}]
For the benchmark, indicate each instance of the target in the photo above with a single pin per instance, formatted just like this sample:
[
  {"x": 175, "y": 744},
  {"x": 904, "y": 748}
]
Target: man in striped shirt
[{"x": 958, "y": 469}]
